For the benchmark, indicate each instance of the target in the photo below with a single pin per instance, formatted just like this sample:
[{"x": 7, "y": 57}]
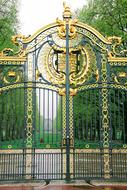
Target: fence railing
[{"x": 52, "y": 166}]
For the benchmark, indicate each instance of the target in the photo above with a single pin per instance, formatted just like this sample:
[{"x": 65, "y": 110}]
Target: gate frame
[{"x": 67, "y": 30}]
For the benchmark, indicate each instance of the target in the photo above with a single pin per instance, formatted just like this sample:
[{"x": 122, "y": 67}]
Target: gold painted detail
[
  {"x": 72, "y": 163},
  {"x": 94, "y": 36},
  {"x": 64, "y": 162},
  {"x": 53, "y": 76},
  {"x": 62, "y": 91},
  {"x": 12, "y": 61},
  {"x": 121, "y": 75},
  {"x": 64, "y": 120},
  {"x": 123, "y": 150},
  {"x": 29, "y": 157},
  {"x": 12, "y": 86},
  {"x": 87, "y": 150},
  {"x": 16, "y": 77},
  {"x": 88, "y": 87},
  {"x": 6, "y": 59},
  {"x": 11, "y": 74},
  {"x": 105, "y": 118},
  {"x": 115, "y": 55},
  {"x": 87, "y": 68},
  {"x": 29, "y": 117},
  {"x": 117, "y": 61},
  {"x": 62, "y": 28},
  {"x": 71, "y": 121},
  {"x": 21, "y": 85},
  {"x": 6, "y": 52},
  {"x": 115, "y": 41},
  {"x": 67, "y": 11},
  {"x": 17, "y": 39},
  {"x": 46, "y": 86},
  {"x": 30, "y": 67},
  {"x": 118, "y": 86},
  {"x": 62, "y": 24},
  {"x": 42, "y": 38},
  {"x": 106, "y": 164},
  {"x": 105, "y": 114}
]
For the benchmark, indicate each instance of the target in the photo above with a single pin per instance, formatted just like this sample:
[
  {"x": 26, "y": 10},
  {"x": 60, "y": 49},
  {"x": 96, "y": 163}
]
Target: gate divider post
[
  {"x": 105, "y": 120},
  {"x": 67, "y": 104},
  {"x": 29, "y": 117}
]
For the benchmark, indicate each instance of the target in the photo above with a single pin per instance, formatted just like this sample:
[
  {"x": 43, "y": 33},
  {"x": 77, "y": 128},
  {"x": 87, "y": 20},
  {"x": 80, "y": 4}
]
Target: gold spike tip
[{"x": 67, "y": 11}]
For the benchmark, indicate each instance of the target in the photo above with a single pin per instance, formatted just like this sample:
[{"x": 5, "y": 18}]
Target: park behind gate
[{"x": 63, "y": 105}]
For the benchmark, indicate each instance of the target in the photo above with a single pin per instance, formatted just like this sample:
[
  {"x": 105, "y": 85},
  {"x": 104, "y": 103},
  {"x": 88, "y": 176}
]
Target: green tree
[
  {"x": 108, "y": 17},
  {"x": 8, "y": 22}
]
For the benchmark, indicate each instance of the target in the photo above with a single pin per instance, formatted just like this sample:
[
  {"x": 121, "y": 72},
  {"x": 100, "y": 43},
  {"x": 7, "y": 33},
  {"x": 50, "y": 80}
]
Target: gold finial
[{"x": 67, "y": 11}]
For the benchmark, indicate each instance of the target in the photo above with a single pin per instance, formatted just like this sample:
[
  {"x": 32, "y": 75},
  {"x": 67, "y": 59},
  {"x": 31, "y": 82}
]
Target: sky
[{"x": 34, "y": 14}]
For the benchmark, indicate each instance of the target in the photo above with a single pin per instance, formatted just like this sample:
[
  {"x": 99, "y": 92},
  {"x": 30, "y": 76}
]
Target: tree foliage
[
  {"x": 8, "y": 22},
  {"x": 108, "y": 17}
]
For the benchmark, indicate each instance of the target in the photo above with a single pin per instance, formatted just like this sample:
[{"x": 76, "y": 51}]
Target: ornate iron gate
[{"x": 63, "y": 105}]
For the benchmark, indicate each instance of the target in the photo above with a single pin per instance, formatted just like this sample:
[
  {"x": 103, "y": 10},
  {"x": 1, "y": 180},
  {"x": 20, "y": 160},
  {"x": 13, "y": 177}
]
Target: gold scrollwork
[
  {"x": 87, "y": 69},
  {"x": 6, "y": 52},
  {"x": 62, "y": 91},
  {"x": 62, "y": 24},
  {"x": 54, "y": 76},
  {"x": 11, "y": 74},
  {"x": 116, "y": 42},
  {"x": 88, "y": 66},
  {"x": 17, "y": 39},
  {"x": 121, "y": 75},
  {"x": 62, "y": 28}
]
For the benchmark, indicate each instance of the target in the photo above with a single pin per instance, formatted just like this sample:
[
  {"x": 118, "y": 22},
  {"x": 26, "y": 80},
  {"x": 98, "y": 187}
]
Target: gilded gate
[{"x": 63, "y": 105}]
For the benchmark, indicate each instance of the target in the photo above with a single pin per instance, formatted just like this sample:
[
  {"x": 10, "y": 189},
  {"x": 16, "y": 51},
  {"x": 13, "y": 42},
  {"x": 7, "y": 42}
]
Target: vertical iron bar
[
  {"x": 95, "y": 115},
  {"x": 123, "y": 122},
  {"x": 86, "y": 127},
  {"x": 57, "y": 115},
  {"x": 43, "y": 116},
  {"x": 115, "y": 121},
  {"x": 52, "y": 116},
  {"x": 119, "y": 114},
  {"x": 82, "y": 116},
  {"x": 110, "y": 114},
  {"x": 39, "y": 115},
  {"x": 67, "y": 105},
  {"x": 48, "y": 138}
]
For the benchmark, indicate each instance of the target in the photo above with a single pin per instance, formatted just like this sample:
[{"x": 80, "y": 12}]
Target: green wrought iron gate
[{"x": 63, "y": 105}]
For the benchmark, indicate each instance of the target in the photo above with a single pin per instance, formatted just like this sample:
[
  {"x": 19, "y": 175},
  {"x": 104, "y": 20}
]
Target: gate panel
[
  {"x": 88, "y": 164},
  {"x": 12, "y": 165},
  {"x": 48, "y": 124},
  {"x": 88, "y": 155},
  {"x": 118, "y": 160},
  {"x": 118, "y": 119},
  {"x": 48, "y": 165},
  {"x": 12, "y": 119},
  {"x": 63, "y": 102},
  {"x": 87, "y": 119}
]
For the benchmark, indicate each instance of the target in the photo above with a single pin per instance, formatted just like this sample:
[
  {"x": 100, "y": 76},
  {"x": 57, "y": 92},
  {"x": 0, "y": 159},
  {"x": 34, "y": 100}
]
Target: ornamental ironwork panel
[{"x": 63, "y": 105}]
